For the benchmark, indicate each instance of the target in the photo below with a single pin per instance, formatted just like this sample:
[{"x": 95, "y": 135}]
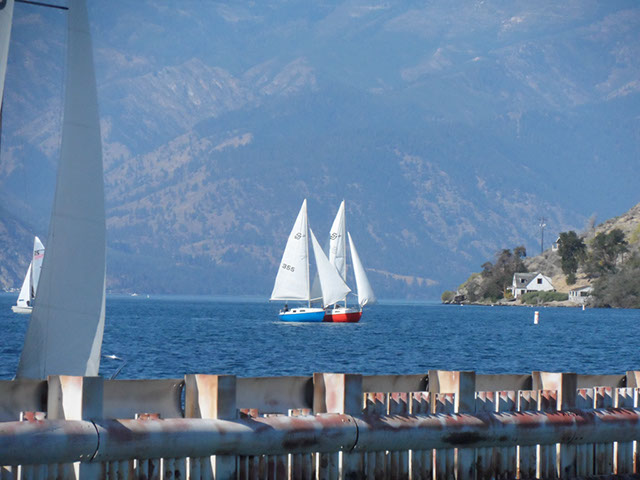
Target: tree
[
  {"x": 605, "y": 250},
  {"x": 621, "y": 289},
  {"x": 448, "y": 296},
  {"x": 520, "y": 251},
  {"x": 572, "y": 250},
  {"x": 497, "y": 277}
]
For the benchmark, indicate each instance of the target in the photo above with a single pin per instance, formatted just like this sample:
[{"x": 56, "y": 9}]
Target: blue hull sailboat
[{"x": 292, "y": 281}]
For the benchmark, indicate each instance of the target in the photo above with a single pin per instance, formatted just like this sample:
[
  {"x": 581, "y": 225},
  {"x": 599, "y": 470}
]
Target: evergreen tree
[
  {"x": 621, "y": 289},
  {"x": 572, "y": 250},
  {"x": 497, "y": 277},
  {"x": 605, "y": 250}
]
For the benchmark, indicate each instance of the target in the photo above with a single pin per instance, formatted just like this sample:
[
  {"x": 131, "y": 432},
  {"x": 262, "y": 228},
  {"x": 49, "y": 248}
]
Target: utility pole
[{"x": 542, "y": 225}]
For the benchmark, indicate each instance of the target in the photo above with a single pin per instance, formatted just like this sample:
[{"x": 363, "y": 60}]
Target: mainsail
[
  {"x": 6, "y": 15},
  {"x": 292, "y": 281},
  {"x": 67, "y": 323},
  {"x": 365, "y": 292},
  {"x": 36, "y": 263},
  {"x": 24, "y": 297},
  {"x": 338, "y": 244},
  {"x": 333, "y": 287}
]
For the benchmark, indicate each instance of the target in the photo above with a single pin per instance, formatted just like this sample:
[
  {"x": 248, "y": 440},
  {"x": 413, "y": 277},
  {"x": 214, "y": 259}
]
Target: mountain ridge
[{"x": 449, "y": 131}]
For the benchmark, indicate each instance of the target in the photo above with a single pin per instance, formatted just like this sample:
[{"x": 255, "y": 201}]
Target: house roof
[
  {"x": 523, "y": 278},
  {"x": 585, "y": 288}
]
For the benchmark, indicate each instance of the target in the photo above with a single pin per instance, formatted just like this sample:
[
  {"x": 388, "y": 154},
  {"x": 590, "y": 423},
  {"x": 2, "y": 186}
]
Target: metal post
[
  {"x": 463, "y": 386},
  {"x": 77, "y": 398},
  {"x": 214, "y": 397},
  {"x": 566, "y": 386},
  {"x": 542, "y": 226},
  {"x": 340, "y": 393}
]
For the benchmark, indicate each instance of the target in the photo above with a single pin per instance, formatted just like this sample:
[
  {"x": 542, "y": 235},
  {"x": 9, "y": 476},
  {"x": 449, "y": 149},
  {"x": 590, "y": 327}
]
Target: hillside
[
  {"x": 626, "y": 271},
  {"x": 449, "y": 130}
]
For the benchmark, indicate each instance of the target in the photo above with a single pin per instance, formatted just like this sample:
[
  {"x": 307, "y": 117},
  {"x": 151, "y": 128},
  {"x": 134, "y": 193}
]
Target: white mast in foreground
[
  {"x": 6, "y": 15},
  {"x": 66, "y": 327}
]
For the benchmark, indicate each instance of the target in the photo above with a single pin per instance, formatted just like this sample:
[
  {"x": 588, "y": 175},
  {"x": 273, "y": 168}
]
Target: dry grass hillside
[{"x": 549, "y": 262}]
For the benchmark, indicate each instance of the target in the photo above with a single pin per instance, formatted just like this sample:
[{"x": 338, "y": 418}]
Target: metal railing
[{"x": 554, "y": 427}]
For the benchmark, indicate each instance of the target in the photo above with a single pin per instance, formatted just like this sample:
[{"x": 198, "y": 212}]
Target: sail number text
[{"x": 291, "y": 268}]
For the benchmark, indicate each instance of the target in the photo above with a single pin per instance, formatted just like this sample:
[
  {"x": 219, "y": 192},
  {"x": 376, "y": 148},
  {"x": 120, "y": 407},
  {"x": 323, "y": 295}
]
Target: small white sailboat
[
  {"x": 338, "y": 258},
  {"x": 292, "y": 281},
  {"x": 30, "y": 283},
  {"x": 65, "y": 330}
]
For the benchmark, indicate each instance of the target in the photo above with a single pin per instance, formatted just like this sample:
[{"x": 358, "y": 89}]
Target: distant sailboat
[
  {"x": 30, "y": 283},
  {"x": 292, "y": 281},
  {"x": 65, "y": 330},
  {"x": 338, "y": 258}
]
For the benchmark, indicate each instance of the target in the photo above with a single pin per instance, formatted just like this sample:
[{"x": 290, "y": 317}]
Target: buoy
[
  {"x": 583, "y": 308},
  {"x": 536, "y": 316}
]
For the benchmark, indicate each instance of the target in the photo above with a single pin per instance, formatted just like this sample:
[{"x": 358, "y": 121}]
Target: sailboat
[
  {"x": 338, "y": 258},
  {"x": 292, "y": 281},
  {"x": 30, "y": 283},
  {"x": 65, "y": 330}
]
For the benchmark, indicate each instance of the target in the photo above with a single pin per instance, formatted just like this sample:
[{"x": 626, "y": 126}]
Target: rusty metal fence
[{"x": 438, "y": 425}]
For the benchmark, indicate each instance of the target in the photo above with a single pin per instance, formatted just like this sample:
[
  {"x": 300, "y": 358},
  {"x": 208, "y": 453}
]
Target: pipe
[
  {"x": 56, "y": 441},
  {"x": 191, "y": 437},
  {"x": 423, "y": 432},
  {"x": 47, "y": 442}
]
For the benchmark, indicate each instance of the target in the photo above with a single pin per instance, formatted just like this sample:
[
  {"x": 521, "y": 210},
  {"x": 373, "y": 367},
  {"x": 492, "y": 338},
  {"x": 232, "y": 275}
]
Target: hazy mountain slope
[
  {"x": 448, "y": 129},
  {"x": 17, "y": 243}
]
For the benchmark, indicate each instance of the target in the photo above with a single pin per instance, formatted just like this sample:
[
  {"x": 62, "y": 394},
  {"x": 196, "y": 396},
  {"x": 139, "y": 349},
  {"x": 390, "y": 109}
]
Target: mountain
[{"x": 448, "y": 129}]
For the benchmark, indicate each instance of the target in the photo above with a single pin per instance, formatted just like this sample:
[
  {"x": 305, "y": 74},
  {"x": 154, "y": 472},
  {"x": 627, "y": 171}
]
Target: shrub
[
  {"x": 448, "y": 296},
  {"x": 534, "y": 298}
]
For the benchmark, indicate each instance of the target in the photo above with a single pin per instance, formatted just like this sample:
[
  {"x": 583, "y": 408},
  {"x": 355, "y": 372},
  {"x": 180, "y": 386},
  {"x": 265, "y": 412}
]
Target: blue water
[{"x": 170, "y": 336}]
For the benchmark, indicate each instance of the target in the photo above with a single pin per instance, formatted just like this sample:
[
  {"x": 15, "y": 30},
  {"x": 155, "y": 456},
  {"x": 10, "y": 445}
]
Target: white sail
[
  {"x": 292, "y": 281},
  {"x": 365, "y": 292},
  {"x": 67, "y": 323},
  {"x": 333, "y": 287},
  {"x": 338, "y": 243},
  {"x": 36, "y": 264},
  {"x": 6, "y": 15},
  {"x": 24, "y": 297}
]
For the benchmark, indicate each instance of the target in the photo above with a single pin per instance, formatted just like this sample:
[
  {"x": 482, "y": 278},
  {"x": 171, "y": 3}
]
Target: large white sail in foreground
[
  {"x": 333, "y": 287},
  {"x": 66, "y": 327},
  {"x": 292, "y": 281},
  {"x": 365, "y": 292},
  {"x": 338, "y": 243},
  {"x": 6, "y": 16}
]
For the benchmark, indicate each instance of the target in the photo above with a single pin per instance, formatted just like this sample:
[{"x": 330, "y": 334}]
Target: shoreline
[{"x": 562, "y": 303}]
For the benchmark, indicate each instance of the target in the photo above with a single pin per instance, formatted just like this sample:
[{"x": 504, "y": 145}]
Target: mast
[
  {"x": 337, "y": 245},
  {"x": 306, "y": 244}
]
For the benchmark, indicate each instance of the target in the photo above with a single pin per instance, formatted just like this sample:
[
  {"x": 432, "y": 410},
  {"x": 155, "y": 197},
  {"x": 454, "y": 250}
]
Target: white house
[
  {"x": 530, "y": 282},
  {"x": 580, "y": 294}
]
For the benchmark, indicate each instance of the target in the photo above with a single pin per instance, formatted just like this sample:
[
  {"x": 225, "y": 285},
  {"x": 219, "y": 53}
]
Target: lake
[{"x": 167, "y": 337}]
